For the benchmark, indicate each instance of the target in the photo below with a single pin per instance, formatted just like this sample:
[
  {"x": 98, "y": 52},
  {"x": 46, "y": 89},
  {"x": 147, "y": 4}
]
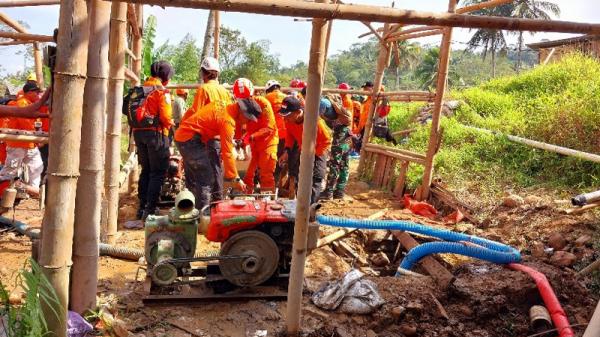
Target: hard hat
[
  {"x": 210, "y": 64},
  {"x": 243, "y": 88},
  {"x": 181, "y": 91},
  {"x": 271, "y": 83},
  {"x": 32, "y": 77},
  {"x": 295, "y": 83},
  {"x": 302, "y": 84},
  {"x": 344, "y": 86}
]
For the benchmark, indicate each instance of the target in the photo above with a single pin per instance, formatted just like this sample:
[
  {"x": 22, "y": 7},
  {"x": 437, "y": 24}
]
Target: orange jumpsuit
[
  {"x": 210, "y": 91},
  {"x": 159, "y": 101},
  {"x": 212, "y": 120},
  {"x": 276, "y": 97},
  {"x": 263, "y": 145},
  {"x": 25, "y": 124},
  {"x": 323, "y": 144},
  {"x": 356, "y": 117},
  {"x": 364, "y": 114}
]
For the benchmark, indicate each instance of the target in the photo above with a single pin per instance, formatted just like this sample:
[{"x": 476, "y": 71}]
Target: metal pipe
[{"x": 582, "y": 199}]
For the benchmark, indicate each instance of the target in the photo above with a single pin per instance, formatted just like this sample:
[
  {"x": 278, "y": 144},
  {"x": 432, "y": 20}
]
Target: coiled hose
[
  {"x": 104, "y": 249},
  {"x": 486, "y": 249}
]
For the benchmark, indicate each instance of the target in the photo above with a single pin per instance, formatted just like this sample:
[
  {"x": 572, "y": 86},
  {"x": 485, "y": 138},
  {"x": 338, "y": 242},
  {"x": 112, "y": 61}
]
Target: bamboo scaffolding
[
  {"x": 24, "y": 138},
  {"x": 88, "y": 204},
  {"x": 442, "y": 80},
  {"x": 131, "y": 54},
  {"x": 131, "y": 76},
  {"x": 137, "y": 69},
  {"x": 416, "y": 35},
  {"x": 482, "y": 5},
  {"x": 118, "y": 28},
  {"x": 383, "y": 61},
  {"x": 309, "y": 9},
  {"x": 63, "y": 167},
  {"x": 37, "y": 54},
  {"x": 26, "y": 37},
  {"x": 217, "y": 34},
  {"x": 132, "y": 19},
  {"x": 377, "y": 35},
  {"x": 413, "y": 30},
  {"x": 307, "y": 157},
  {"x": 396, "y": 150},
  {"x": 14, "y": 43},
  {"x": 26, "y": 3}
]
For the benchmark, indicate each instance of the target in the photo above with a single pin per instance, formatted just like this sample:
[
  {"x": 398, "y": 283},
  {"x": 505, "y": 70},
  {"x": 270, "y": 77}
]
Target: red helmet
[
  {"x": 302, "y": 84},
  {"x": 296, "y": 83},
  {"x": 243, "y": 88},
  {"x": 344, "y": 86}
]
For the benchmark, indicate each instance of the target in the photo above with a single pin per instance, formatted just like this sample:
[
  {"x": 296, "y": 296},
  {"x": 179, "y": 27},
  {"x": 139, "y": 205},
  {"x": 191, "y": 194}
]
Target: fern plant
[{"x": 28, "y": 320}]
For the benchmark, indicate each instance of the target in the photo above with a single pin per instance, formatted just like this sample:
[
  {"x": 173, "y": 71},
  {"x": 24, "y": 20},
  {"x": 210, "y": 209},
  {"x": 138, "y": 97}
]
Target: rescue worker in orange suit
[
  {"x": 275, "y": 97},
  {"x": 20, "y": 153},
  {"x": 202, "y": 167},
  {"x": 357, "y": 107},
  {"x": 364, "y": 114},
  {"x": 211, "y": 90},
  {"x": 153, "y": 142},
  {"x": 261, "y": 135},
  {"x": 293, "y": 112}
]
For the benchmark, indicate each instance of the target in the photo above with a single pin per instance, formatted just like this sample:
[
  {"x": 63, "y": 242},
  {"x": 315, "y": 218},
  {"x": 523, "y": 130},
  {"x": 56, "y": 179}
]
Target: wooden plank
[
  {"x": 342, "y": 248},
  {"x": 395, "y": 150},
  {"x": 440, "y": 274},
  {"x": 396, "y": 155},
  {"x": 389, "y": 173},
  {"x": 582, "y": 209},
  {"x": 345, "y": 231},
  {"x": 401, "y": 181},
  {"x": 377, "y": 169}
]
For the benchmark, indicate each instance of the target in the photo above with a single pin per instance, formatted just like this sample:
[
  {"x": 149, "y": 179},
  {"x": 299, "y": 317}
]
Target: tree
[
  {"x": 532, "y": 9},
  {"x": 148, "y": 45},
  {"x": 427, "y": 71},
  {"x": 208, "y": 37},
  {"x": 232, "y": 47},
  {"x": 257, "y": 65},
  {"x": 491, "y": 40},
  {"x": 409, "y": 54}
]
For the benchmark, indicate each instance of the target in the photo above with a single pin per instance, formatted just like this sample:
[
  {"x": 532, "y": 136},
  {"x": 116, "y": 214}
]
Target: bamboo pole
[
  {"x": 137, "y": 42},
  {"x": 440, "y": 91},
  {"x": 482, "y": 5},
  {"x": 26, "y": 3},
  {"x": 382, "y": 62},
  {"x": 217, "y": 34},
  {"x": 593, "y": 328},
  {"x": 63, "y": 167},
  {"x": 14, "y": 43},
  {"x": 377, "y": 35},
  {"x": 309, "y": 9},
  {"x": 26, "y": 36},
  {"x": 416, "y": 35},
  {"x": 413, "y": 30},
  {"x": 118, "y": 27},
  {"x": 396, "y": 150},
  {"x": 24, "y": 138},
  {"x": 88, "y": 204},
  {"x": 307, "y": 157}
]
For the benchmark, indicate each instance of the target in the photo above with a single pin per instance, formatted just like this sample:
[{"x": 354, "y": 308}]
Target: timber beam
[
  {"x": 27, "y": 3},
  {"x": 26, "y": 37}
]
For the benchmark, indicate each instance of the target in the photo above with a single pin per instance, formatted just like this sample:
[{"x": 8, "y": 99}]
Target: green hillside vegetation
[{"x": 556, "y": 104}]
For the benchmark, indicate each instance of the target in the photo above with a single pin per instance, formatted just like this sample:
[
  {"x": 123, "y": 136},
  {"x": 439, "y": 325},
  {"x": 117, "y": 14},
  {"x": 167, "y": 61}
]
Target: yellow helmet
[{"x": 32, "y": 77}]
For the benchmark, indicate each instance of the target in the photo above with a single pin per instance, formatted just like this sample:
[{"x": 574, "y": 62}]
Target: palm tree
[
  {"x": 491, "y": 40},
  {"x": 427, "y": 71},
  {"x": 532, "y": 9},
  {"x": 406, "y": 59}
]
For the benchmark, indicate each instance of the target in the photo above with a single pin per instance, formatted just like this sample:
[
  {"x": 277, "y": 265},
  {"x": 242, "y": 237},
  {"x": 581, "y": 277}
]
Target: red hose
[{"x": 561, "y": 322}]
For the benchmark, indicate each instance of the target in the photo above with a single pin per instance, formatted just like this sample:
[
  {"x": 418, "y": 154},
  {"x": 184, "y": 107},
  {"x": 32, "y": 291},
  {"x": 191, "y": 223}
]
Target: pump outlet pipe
[
  {"x": 586, "y": 198},
  {"x": 559, "y": 317}
]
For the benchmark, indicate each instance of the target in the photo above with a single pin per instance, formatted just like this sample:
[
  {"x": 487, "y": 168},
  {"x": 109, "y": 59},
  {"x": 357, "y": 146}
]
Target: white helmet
[
  {"x": 271, "y": 83},
  {"x": 210, "y": 64}
]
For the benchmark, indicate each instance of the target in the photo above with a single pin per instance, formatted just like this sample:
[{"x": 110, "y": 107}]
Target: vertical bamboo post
[
  {"x": 137, "y": 69},
  {"x": 382, "y": 62},
  {"x": 88, "y": 202},
  {"x": 63, "y": 167},
  {"x": 217, "y": 34},
  {"x": 116, "y": 57},
  {"x": 307, "y": 158},
  {"x": 440, "y": 90}
]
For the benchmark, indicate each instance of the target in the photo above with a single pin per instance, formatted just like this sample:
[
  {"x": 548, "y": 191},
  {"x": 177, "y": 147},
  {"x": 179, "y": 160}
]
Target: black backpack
[{"x": 134, "y": 107}]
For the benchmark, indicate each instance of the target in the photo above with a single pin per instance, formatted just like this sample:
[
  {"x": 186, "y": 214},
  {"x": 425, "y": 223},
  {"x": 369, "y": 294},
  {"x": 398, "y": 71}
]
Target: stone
[
  {"x": 398, "y": 312},
  {"x": 512, "y": 201},
  {"x": 408, "y": 329},
  {"x": 557, "y": 241},
  {"x": 358, "y": 320},
  {"x": 342, "y": 332},
  {"x": 465, "y": 310},
  {"x": 415, "y": 306},
  {"x": 533, "y": 200},
  {"x": 582, "y": 240},
  {"x": 371, "y": 333},
  {"x": 380, "y": 259},
  {"x": 464, "y": 227},
  {"x": 537, "y": 250},
  {"x": 563, "y": 259}
]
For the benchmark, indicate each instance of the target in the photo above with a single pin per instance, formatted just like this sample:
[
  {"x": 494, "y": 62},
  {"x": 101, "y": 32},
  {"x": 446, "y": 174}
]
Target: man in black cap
[{"x": 293, "y": 113}]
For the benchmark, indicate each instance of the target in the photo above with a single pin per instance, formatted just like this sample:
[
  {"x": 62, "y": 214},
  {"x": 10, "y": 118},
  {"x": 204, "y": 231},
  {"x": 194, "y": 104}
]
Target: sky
[{"x": 290, "y": 40}]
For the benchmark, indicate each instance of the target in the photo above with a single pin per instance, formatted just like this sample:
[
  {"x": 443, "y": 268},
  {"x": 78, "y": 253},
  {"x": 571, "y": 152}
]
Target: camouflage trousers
[{"x": 339, "y": 160}]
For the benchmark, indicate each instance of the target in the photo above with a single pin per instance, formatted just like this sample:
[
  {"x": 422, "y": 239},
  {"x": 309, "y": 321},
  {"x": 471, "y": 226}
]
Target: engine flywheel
[{"x": 260, "y": 264}]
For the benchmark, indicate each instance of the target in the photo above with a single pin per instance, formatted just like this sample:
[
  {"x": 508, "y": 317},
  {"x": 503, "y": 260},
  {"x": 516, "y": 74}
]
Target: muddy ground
[{"x": 484, "y": 299}]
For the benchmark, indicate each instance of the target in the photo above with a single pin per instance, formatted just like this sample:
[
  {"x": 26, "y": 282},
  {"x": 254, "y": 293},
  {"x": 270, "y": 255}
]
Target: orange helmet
[
  {"x": 181, "y": 92},
  {"x": 243, "y": 88},
  {"x": 344, "y": 86}
]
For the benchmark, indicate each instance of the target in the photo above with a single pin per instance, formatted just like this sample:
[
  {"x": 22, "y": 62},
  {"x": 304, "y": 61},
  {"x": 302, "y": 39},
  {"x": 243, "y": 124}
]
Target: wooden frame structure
[{"x": 70, "y": 78}]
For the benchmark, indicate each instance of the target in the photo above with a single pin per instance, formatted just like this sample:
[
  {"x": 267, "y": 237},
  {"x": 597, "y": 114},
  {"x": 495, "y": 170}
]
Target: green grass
[{"x": 557, "y": 104}]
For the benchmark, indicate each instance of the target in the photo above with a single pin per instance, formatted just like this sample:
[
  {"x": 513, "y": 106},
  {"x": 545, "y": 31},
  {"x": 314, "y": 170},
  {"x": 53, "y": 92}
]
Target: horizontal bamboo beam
[
  {"x": 408, "y": 99},
  {"x": 24, "y": 136},
  {"x": 14, "y": 43},
  {"x": 413, "y": 30},
  {"x": 26, "y": 37},
  {"x": 23, "y": 132},
  {"x": 543, "y": 146},
  {"x": 396, "y": 155},
  {"x": 393, "y": 149},
  {"x": 415, "y": 35},
  {"x": 378, "y": 14},
  {"x": 26, "y": 3},
  {"x": 483, "y": 5}
]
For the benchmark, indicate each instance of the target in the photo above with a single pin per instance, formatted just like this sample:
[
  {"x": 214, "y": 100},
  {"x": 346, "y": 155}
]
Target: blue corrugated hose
[{"x": 488, "y": 250}]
